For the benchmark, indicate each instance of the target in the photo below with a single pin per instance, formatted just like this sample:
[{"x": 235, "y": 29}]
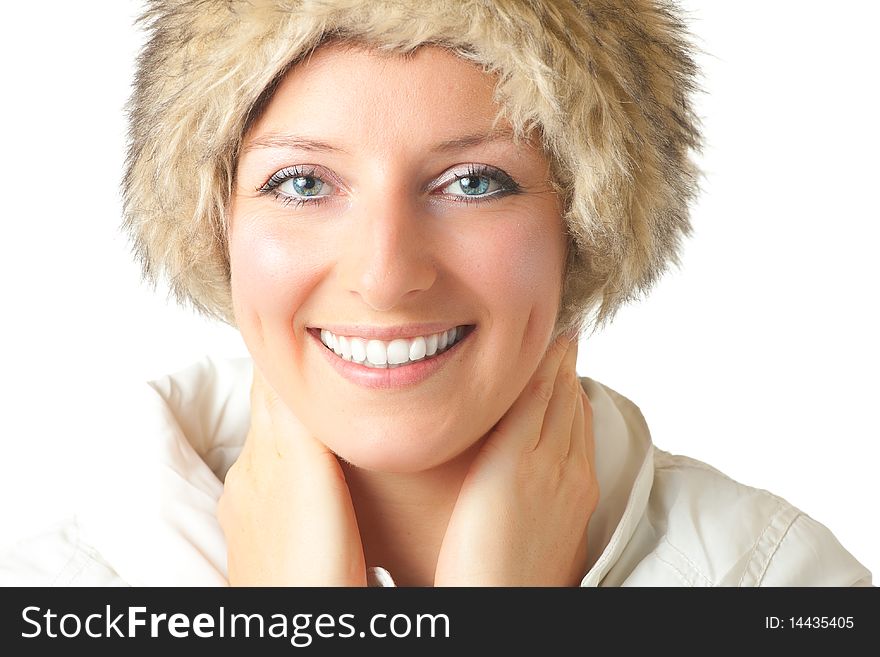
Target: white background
[{"x": 759, "y": 356}]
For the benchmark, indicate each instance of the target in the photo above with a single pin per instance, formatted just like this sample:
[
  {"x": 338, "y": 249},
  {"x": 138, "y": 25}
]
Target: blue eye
[
  {"x": 471, "y": 185},
  {"x": 298, "y": 185},
  {"x": 303, "y": 186},
  {"x": 479, "y": 183}
]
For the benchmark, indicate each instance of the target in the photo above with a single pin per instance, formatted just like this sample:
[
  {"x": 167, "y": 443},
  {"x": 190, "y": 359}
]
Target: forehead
[{"x": 357, "y": 94}]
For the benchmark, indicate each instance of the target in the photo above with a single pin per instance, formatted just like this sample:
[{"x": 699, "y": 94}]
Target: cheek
[
  {"x": 518, "y": 268},
  {"x": 272, "y": 274}
]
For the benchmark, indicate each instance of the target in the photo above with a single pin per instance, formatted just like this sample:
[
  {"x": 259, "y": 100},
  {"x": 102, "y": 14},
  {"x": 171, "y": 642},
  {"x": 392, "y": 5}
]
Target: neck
[{"x": 402, "y": 517}]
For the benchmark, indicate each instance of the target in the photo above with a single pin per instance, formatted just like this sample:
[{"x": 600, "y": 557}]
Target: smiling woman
[
  {"x": 427, "y": 246},
  {"x": 411, "y": 213},
  {"x": 401, "y": 233}
]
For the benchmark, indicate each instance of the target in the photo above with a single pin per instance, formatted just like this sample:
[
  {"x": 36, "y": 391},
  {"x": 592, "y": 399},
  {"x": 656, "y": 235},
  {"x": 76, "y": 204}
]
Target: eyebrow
[
  {"x": 277, "y": 140},
  {"x": 497, "y": 134}
]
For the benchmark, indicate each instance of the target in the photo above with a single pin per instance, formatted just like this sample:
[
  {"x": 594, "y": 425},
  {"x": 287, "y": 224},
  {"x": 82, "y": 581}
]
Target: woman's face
[{"x": 375, "y": 202}]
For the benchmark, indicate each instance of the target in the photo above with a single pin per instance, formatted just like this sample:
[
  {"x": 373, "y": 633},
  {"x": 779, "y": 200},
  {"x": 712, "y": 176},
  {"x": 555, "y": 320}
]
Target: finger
[
  {"x": 263, "y": 395},
  {"x": 275, "y": 429},
  {"x": 588, "y": 445},
  {"x": 555, "y": 437},
  {"x": 584, "y": 446},
  {"x": 261, "y": 424},
  {"x": 589, "y": 435},
  {"x": 583, "y": 469},
  {"x": 521, "y": 425},
  {"x": 265, "y": 402}
]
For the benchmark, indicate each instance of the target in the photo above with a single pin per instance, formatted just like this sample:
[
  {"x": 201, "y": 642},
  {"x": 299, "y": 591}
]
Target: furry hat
[{"x": 607, "y": 84}]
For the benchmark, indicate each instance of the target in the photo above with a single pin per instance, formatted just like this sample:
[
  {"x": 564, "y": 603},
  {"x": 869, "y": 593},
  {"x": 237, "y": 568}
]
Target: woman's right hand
[{"x": 286, "y": 510}]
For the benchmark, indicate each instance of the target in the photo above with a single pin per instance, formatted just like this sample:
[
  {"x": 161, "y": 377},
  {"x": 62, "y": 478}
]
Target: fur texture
[{"x": 607, "y": 83}]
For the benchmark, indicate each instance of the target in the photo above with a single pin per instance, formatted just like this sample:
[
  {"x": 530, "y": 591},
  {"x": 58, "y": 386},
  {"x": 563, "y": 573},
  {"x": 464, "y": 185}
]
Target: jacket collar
[
  {"x": 625, "y": 472},
  {"x": 151, "y": 513}
]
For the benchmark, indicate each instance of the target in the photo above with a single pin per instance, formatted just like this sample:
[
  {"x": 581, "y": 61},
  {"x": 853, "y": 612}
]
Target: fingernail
[{"x": 562, "y": 340}]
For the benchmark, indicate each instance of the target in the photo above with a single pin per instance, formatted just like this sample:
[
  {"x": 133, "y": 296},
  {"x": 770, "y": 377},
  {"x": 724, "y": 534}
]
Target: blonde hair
[{"x": 606, "y": 83}]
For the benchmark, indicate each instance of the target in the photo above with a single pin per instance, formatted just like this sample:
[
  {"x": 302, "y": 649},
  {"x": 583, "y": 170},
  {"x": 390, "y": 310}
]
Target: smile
[{"x": 391, "y": 354}]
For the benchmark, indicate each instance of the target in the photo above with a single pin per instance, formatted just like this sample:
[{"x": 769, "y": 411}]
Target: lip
[
  {"x": 387, "y": 333},
  {"x": 397, "y": 377}
]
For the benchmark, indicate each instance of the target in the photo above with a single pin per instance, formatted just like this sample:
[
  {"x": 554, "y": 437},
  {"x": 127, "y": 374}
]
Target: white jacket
[{"x": 662, "y": 520}]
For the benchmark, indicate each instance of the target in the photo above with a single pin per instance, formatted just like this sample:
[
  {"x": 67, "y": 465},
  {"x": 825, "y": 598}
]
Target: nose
[{"x": 388, "y": 258}]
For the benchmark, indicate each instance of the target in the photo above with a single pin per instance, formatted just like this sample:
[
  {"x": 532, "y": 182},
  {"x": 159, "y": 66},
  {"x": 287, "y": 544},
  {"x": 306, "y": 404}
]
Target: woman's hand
[
  {"x": 522, "y": 513},
  {"x": 286, "y": 509}
]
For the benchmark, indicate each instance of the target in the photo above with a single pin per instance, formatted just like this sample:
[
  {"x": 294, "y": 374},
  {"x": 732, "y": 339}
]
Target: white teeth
[
  {"x": 345, "y": 347},
  {"x": 377, "y": 353},
  {"x": 418, "y": 349},
  {"x": 398, "y": 352},
  {"x": 358, "y": 350}
]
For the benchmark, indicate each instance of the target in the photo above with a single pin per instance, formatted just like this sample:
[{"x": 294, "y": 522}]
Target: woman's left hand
[{"x": 522, "y": 513}]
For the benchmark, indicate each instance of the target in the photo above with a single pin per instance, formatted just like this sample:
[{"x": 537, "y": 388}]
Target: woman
[{"x": 409, "y": 212}]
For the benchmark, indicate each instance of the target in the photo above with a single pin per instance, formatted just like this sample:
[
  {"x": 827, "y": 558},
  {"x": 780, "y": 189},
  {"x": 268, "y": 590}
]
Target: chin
[{"x": 407, "y": 454}]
